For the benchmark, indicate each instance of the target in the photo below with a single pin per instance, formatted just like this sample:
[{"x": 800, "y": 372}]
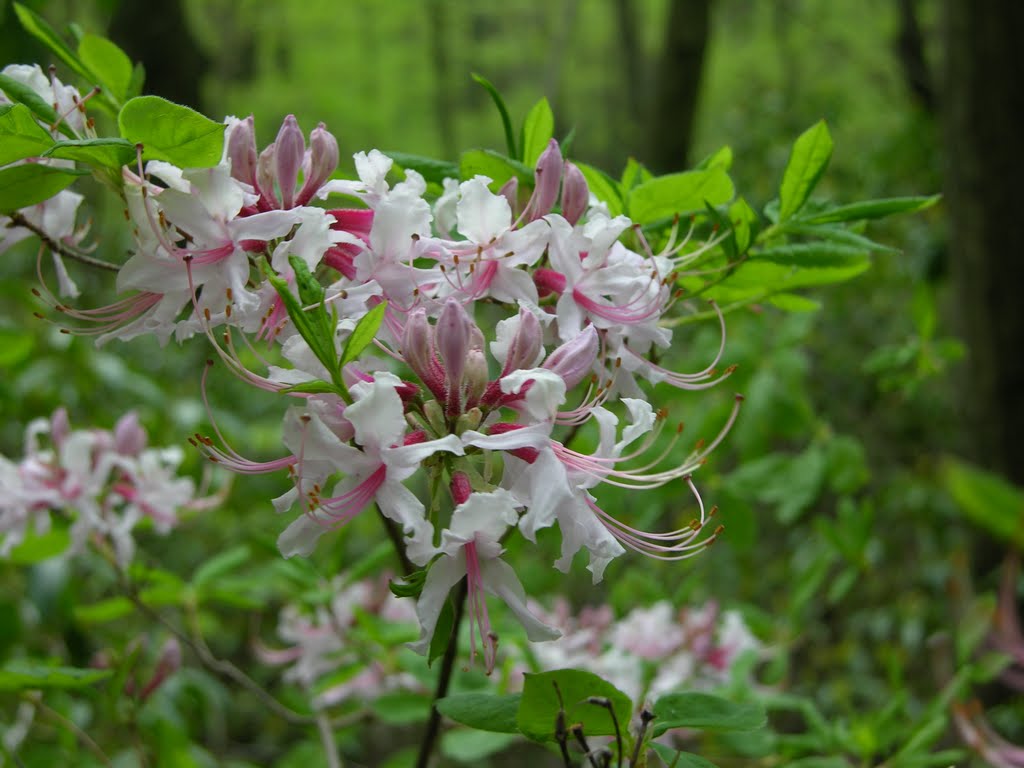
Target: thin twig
[
  {"x": 443, "y": 679},
  {"x": 398, "y": 540},
  {"x": 81, "y": 735},
  {"x": 19, "y": 220},
  {"x": 323, "y": 724}
]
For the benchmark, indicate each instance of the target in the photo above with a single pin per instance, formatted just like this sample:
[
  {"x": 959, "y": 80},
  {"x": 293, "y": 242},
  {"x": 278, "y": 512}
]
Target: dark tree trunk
[
  {"x": 982, "y": 101},
  {"x": 157, "y": 34},
  {"x": 910, "y": 49},
  {"x": 678, "y": 84}
]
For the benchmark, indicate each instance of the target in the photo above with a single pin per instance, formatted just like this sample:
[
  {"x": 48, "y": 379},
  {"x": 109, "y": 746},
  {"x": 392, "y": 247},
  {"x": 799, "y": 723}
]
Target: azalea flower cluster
[
  {"x": 339, "y": 650},
  {"x": 106, "y": 482},
  {"x": 432, "y": 339},
  {"x": 651, "y": 650}
]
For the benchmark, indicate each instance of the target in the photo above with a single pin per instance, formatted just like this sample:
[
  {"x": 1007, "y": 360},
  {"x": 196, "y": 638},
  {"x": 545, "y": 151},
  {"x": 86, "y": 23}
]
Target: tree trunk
[
  {"x": 678, "y": 84},
  {"x": 157, "y": 34},
  {"x": 983, "y": 98}
]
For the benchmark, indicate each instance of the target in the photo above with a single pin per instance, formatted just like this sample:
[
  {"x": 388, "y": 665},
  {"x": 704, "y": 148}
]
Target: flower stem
[
  {"x": 19, "y": 220},
  {"x": 443, "y": 679}
]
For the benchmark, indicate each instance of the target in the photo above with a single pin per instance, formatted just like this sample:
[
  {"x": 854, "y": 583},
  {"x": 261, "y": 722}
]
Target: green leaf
[
  {"x": 792, "y": 302},
  {"x": 539, "y": 705},
  {"x": 702, "y": 710},
  {"x": 38, "y": 547},
  {"x": 26, "y": 674},
  {"x": 171, "y": 132},
  {"x": 819, "y": 254},
  {"x": 483, "y": 711},
  {"x": 15, "y": 347},
  {"x": 109, "y": 64},
  {"x": 836, "y": 234},
  {"x": 634, "y": 174},
  {"x": 442, "y": 632},
  {"x": 431, "y": 170},
  {"x": 743, "y": 219},
  {"x": 20, "y": 135},
  {"x": 872, "y": 209},
  {"x": 807, "y": 162},
  {"x": 31, "y": 183},
  {"x": 495, "y": 166},
  {"x": 106, "y": 153},
  {"x": 363, "y": 334},
  {"x": 603, "y": 187},
  {"x": 986, "y": 499},
  {"x": 538, "y": 128},
  {"x": 104, "y": 611},
  {"x": 671, "y": 756},
  {"x": 721, "y": 158},
  {"x": 473, "y": 746},
  {"x": 315, "y": 387},
  {"x": 22, "y": 94},
  {"x": 402, "y": 708},
  {"x": 679, "y": 193},
  {"x": 40, "y": 29},
  {"x": 221, "y": 564},
  {"x": 506, "y": 121}
]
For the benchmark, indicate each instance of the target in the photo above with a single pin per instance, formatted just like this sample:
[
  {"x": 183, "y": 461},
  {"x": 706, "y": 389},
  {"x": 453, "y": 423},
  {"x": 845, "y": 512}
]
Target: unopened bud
[
  {"x": 288, "y": 154},
  {"x": 452, "y": 337},
  {"x": 548, "y": 175},
  {"x": 241, "y": 150},
  {"x": 510, "y": 191},
  {"x": 574, "y": 359},
  {"x": 169, "y": 662},
  {"x": 575, "y": 193},
  {"x": 526, "y": 347},
  {"x": 418, "y": 351},
  {"x": 323, "y": 159},
  {"x": 460, "y": 487},
  {"x": 265, "y": 176},
  {"x": 60, "y": 426},
  {"x": 475, "y": 377},
  {"x": 129, "y": 436}
]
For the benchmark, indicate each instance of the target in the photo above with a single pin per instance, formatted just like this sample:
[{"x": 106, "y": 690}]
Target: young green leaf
[
  {"x": 495, "y": 166},
  {"x": 820, "y": 254},
  {"x": 20, "y": 135},
  {"x": 671, "y": 756},
  {"x": 506, "y": 121},
  {"x": 603, "y": 187},
  {"x": 431, "y": 170},
  {"x": 110, "y": 65},
  {"x": 538, "y": 128},
  {"x": 105, "y": 153},
  {"x": 702, "y": 710},
  {"x": 31, "y": 183},
  {"x": 363, "y": 334},
  {"x": 987, "y": 499},
  {"x": 679, "y": 193},
  {"x": 171, "y": 132},
  {"x": 38, "y": 547},
  {"x": 473, "y": 747},
  {"x": 38, "y": 27},
  {"x": 872, "y": 209},
  {"x": 483, "y": 711},
  {"x": 220, "y": 564},
  {"x": 539, "y": 705},
  {"x": 807, "y": 162},
  {"x": 22, "y": 94},
  {"x": 26, "y": 674}
]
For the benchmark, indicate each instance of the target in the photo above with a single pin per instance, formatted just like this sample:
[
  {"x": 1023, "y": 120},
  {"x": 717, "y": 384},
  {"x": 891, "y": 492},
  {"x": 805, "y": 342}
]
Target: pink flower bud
[
  {"x": 323, "y": 159},
  {"x": 290, "y": 148},
  {"x": 129, "y": 436},
  {"x": 460, "y": 487},
  {"x": 525, "y": 346},
  {"x": 575, "y": 193},
  {"x": 574, "y": 359},
  {"x": 510, "y": 191},
  {"x": 452, "y": 336},
  {"x": 418, "y": 350},
  {"x": 241, "y": 152},
  {"x": 60, "y": 426},
  {"x": 548, "y": 175},
  {"x": 265, "y": 177},
  {"x": 169, "y": 662},
  {"x": 475, "y": 377}
]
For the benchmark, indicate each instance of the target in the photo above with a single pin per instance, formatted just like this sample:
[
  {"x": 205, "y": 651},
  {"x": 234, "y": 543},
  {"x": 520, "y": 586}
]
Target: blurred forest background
[{"x": 843, "y": 531}]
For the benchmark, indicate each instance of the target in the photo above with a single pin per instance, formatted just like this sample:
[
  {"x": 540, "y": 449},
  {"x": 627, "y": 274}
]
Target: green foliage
[
  {"x": 546, "y": 694},
  {"x": 171, "y": 132},
  {"x": 31, "y": 183},
  {"x": 538, "y": 129},
  {"x": 807, "y": 163},
  {"x": 483, "y": 711},
  {"x": 20, "y": 135},
  {"x": 27, "y": 675},
  {"x": 105, "y": 153},
  {"x": 702, "y": 710},
  {"x": 986, "y": 499}
]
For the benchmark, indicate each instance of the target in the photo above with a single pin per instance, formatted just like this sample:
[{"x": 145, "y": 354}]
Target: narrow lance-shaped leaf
[
  {"x": 40, "y": 29},
  {"x": 363, "y": 334},
  {"x": 110, "y": 65},
  {"x": 506, "y": 121},
  {"x": 807, "y": 162},
  {"x": 872, "y": 209},
  {"x": 105, "y": 153},
  {"x": 22, "y": 94},
  {"x": 538, "y": 128}
]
